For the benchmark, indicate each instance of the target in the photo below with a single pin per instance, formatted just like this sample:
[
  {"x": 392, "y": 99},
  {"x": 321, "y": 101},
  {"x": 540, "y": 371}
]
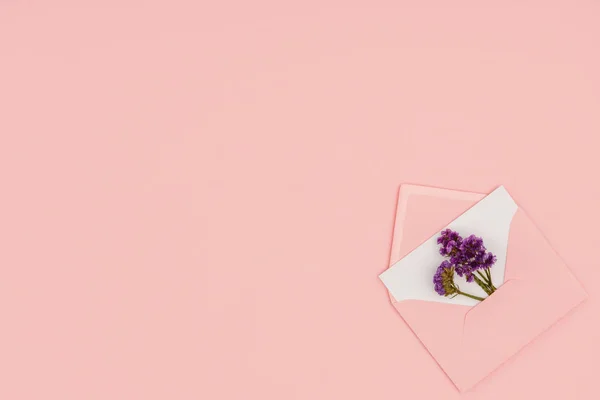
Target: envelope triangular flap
[{"x": 539, "y": 289}]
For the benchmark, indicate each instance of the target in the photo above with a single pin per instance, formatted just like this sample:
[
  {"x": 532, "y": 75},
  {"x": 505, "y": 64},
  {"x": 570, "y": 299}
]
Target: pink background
[{"x": 197, "y": 198}]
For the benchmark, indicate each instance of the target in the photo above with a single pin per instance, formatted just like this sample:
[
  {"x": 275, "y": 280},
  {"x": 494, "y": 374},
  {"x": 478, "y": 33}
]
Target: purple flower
[
  {"x": 488, "y": 260},
  {"x": 443, "y": 280},
  {"x": 465, "y": 257},
  {"x": 450, "y": 242},
  {"x": 472, "y": 247},
  {"x": 460, "y": 269}
]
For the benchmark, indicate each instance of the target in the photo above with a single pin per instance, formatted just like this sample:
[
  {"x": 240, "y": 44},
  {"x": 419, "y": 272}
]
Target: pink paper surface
[{"x": 198, "y": 197}]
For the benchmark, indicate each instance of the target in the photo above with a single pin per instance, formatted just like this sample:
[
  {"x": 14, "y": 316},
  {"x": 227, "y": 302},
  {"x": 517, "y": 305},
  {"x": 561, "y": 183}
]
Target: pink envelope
[{"x": 469, "y": 342}]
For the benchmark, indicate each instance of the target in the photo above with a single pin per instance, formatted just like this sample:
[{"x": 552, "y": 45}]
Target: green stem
[
  {"x": 471, "y": 296},
  {"x": 491, "y": 284},
  {"x": 489, "y": 276},
  {"x": 483, "y": 278},
  {"x": 486, "y": 280},
  {"x": 483, "y": 285}
]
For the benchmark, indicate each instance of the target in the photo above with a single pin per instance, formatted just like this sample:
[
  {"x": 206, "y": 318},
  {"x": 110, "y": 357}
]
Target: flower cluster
[
  {"x": 467, "y": 257},
  {"x": 444, "y": 280}
]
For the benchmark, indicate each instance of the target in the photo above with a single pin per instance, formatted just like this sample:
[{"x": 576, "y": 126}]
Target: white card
[{"x": 411, "y": 278}]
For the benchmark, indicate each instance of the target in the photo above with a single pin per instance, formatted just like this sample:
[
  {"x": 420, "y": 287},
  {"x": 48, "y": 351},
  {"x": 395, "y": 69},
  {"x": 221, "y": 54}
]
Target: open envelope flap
[
  {"x": 470, "y": 342},
  {"x": 435, "y": 209}
]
